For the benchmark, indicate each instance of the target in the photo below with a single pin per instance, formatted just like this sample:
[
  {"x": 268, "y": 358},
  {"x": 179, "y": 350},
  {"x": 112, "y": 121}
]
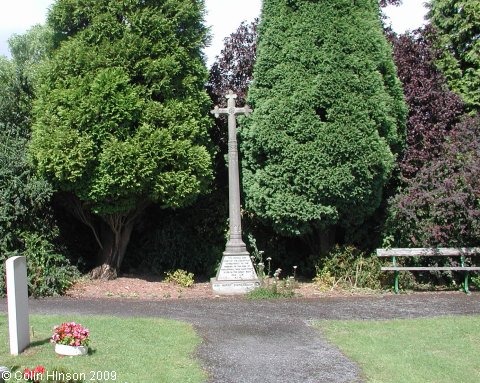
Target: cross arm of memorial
[{"x": 231, "y": 109}]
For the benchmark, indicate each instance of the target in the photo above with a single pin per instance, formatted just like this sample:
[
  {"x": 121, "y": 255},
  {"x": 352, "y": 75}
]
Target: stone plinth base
[
  {"x": 236, "y": 274},
  {"x": 234, "y": 287}
]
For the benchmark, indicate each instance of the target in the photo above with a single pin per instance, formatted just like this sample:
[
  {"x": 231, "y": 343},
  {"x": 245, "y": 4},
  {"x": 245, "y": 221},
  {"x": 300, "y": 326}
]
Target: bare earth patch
[{"x": 154, "y": 288}]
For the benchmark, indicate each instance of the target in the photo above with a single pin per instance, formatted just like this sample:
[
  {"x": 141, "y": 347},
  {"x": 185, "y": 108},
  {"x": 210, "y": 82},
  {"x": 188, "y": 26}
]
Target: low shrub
[
  {"x": 347, "y": 267},
  {"x": 476, "y": 281},
  {"x": 180, "y": 277},
  {"x": 49, "y": 272}
]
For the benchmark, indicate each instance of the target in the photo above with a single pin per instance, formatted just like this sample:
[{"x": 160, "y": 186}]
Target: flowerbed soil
[{"x": 154, "y": 288}]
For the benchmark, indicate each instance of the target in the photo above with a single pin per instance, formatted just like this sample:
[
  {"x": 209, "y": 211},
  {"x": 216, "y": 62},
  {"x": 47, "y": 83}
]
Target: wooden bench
[{"x": 463, "y": 253}]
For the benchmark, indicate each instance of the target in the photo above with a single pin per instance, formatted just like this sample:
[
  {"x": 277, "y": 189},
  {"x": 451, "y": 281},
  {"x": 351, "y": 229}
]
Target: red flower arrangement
[
  {"x": 71, "y": 334},
  {"x": 35, "y": 375}
]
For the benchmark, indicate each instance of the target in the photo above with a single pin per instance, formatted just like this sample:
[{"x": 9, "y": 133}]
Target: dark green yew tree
[
  {"x": 328, "y": 120},
  {"x": 457, "y": 26},
  {"x": 122, "y": 116}
]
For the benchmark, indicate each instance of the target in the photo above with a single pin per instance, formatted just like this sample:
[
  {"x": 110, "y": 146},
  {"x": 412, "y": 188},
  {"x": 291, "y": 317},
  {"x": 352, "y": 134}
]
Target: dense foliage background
[{"x": 27, "y": 224}]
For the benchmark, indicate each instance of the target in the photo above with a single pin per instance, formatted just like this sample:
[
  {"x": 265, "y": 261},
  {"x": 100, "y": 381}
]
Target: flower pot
[{"x": 63, "y": 349}]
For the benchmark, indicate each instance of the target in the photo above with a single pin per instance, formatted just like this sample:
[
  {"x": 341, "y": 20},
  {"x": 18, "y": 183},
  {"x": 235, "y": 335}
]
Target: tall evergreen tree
[
  {"x": 328, "y": 120},
  {"x": 122, "y": 116},
  {"x": 457, "y": 25}
]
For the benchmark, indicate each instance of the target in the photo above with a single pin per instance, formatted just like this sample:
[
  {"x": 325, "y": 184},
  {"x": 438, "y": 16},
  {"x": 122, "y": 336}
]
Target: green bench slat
[
  {"x": 429, "y": 252},
  {"x": 433, "y": 268},
  {"x": 463, "y": 252}
]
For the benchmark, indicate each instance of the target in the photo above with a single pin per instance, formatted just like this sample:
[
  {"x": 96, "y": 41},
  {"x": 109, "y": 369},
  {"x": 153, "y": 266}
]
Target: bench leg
[
  {"x": 465, "y": 284},
  {"x": 397, "y": 274}
]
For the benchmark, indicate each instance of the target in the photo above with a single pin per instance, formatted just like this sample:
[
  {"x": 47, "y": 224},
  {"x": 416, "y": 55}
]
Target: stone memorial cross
[{"x": 236, "y": 273}]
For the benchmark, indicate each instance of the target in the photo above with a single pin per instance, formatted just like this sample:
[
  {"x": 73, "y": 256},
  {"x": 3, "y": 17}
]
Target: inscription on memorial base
[
  {"x": 236, "y": 275},
  {"x": 236, "y": 268}
]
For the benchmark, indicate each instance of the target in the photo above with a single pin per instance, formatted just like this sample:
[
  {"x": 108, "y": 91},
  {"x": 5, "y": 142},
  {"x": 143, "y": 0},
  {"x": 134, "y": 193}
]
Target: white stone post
[{"x": 17, "y": 302}]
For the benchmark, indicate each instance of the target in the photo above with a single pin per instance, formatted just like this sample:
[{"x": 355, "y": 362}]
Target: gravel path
[{"x": 270, "y": 341}]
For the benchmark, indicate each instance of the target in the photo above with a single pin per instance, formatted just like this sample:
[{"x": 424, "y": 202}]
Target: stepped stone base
[{"x": 236, "y": 275}]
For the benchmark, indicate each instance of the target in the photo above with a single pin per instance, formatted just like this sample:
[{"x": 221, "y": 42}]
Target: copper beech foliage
[
  {"x": 433, "y": 108},
  {"x": 440, "y": 205},
  {"x": 439, "y": 202},
  {"x": 233, "y": 69}
]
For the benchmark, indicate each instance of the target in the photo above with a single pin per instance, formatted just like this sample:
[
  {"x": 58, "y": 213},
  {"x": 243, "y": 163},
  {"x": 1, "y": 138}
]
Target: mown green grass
[
  {"x": 136, "y": 349},
  {"x": 438, "y": 350}
]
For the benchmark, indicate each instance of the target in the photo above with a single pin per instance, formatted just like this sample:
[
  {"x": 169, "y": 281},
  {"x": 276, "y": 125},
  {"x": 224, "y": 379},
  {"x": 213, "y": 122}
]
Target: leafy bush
[
  {"x": 440, "y": 206},
  {"x": 348, "y": 267},
  {"x": 49, "y": 272},
  {"x": 27, "y": 226},
  {"x": 476, "y": 281},
  {"x": 180, "y": 277}
]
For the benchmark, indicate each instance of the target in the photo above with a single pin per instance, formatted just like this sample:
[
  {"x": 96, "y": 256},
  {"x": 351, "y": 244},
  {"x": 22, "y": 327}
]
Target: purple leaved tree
[
  {"x": 440, "y": 206},
  {"x": 433, "y": 109}
]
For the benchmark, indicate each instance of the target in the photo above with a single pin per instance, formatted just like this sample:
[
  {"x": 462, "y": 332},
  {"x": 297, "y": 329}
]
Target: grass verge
[
  {"x": 430, "y": 350},
  {"x": 134, "y": 349}
]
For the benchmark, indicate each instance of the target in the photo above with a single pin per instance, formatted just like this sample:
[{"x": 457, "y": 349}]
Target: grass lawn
[
  {"x": 440, "y": 350},
  {"x": 136, "y": 349}
]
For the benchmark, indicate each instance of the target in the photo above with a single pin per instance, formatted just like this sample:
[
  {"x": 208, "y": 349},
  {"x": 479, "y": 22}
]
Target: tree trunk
[
  {"x": 112, "y": 234},
  {"x": 321, "y": 241},
  {"x": 326, "y": 239},
  {"x": 115, "y": 236},
  {"x": 114, "y": 245}
]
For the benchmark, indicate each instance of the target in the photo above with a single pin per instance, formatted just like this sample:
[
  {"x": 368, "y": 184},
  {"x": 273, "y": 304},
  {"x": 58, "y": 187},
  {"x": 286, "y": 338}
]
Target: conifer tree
[
  {"x": 328, "y": 120},
  {"x": 122, "y": 116},
  {"x": 457, "y": 25}
]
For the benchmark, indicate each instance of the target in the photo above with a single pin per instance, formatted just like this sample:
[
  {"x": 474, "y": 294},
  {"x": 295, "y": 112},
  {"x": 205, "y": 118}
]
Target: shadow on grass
[
  {"x": 39, "y": 343},
  {"x": 34, "y": 345}
]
